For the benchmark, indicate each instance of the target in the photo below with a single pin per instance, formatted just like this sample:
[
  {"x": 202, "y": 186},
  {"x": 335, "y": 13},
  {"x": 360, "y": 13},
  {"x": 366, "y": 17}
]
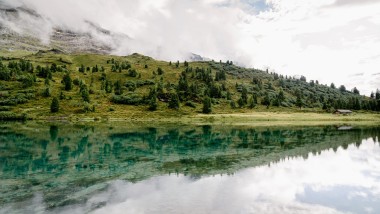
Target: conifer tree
[{"x": 54, "y": 107}]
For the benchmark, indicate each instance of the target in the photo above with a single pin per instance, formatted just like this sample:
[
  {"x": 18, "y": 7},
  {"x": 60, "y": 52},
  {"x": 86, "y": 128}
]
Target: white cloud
[
  {"x": 283, "y": 187},
  {"x": 327, "y": 40}
]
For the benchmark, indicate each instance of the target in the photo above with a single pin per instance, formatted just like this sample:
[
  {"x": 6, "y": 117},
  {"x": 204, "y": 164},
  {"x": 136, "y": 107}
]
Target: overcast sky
[{"x": 326, "y": 40}]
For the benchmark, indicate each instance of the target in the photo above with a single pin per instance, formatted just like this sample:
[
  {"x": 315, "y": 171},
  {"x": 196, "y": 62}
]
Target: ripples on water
[{"x": 188, "y": 169}]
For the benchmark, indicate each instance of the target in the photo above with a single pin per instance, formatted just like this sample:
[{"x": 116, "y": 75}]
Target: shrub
[
  {"x": 46, "y": 92},
  {"x": 12, "y": 116},
  {"x": 127, "y": 99},
  {"x": 190, "y": 104},
  {"x": 132, "y": 73}
]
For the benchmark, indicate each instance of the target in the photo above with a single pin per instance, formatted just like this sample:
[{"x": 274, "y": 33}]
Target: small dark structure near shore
[{"x": 343, "y": 111}]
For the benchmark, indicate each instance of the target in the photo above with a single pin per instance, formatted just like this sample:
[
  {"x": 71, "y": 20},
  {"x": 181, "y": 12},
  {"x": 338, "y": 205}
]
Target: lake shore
[{"x": 252, "y": 118}]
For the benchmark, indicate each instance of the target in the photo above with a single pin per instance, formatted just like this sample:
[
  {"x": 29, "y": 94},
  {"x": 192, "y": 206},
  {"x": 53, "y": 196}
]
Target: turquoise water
[{"x": 122, "y": 168}]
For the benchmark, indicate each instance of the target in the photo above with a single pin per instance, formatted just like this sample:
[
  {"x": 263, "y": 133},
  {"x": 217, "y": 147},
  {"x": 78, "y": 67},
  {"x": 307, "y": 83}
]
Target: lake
[{"x": 161, "y": 168}]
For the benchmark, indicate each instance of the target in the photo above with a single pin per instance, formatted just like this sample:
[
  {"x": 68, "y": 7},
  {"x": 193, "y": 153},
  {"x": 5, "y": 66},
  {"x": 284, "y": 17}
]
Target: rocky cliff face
[{"x": 24, "y": 29}]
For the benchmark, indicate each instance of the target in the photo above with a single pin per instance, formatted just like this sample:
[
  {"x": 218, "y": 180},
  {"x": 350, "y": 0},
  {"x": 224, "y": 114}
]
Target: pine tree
[
  {"x": 118, "y": 88},
  {"x": 54, "y": 107},
  {"x": 207, "y": 105},
  {"x": 244, "y": 95},
  {"x": 174, "y": 101},
  {"x": 299, "y": 102},
  {"x": 153, "y": 103},
  {"x": 266, "y": 101},
  {"x": 251, "y": 102},
  {"x": 67, "y": 82}
]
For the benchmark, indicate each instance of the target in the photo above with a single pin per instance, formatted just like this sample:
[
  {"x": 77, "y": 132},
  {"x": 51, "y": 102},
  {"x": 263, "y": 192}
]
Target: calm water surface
[{"x": 188, "y": 169}]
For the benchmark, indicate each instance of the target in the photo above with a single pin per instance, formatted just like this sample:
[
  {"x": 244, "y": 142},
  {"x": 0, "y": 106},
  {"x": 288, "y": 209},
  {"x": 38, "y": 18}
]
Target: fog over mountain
[{"x": 326, "y": 40}]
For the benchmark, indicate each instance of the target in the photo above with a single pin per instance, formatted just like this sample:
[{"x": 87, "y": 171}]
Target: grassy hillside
[{"x": 137, "y": 87}]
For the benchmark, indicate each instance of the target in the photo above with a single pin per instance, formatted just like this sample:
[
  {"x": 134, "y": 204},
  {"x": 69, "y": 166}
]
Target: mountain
[
  {"x": 138, "y": 86},
  {"x": 20, "y": 29}
]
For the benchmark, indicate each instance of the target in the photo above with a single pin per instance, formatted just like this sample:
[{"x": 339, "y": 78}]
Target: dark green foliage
[
  {"x": 232, "y": 104},
  {"x": 332, "y": 86},
  {"x": 28, "y": 80},
  {"x": 244, "y": 95},
  {"x": 5, "y": 74},
  {"x": 174, "y": 101},
  {"x": 132, "y": 73},
  {"x": 183, "y": 86},
  {"x": 95, "y": 69},
  {"x": 252, "y": 101},
  {"x": 190, "y": 104},
  {"x": 215, "y": 91},
  {"x": 118, "y": 88},
  {"x": 19, "y": 98},
  {"x": 299, "y": 102},
  {"x": 44, "y": 72},
  {"x": 279, "y": 98},
  {"x": 206, "y": 105},
  {"x": 228, "y": 95},
  {"x": 46, "y": 92},
  {"x": 153, "y": 103},
  {"x": 88, "y": 108},
  {"x": 84, "y": 92},
  {"x": 11, "y": 116},
  {"x": 67, "y": 82},
  {"x": 342, "y": 88},
  {"x": 266, "y": 100},
  {"x": 220, "y": 75},
  {"x": 81, "y": 69},
  {"x": 355, "y": 90},
  {"x": 241, "y": 102},
  {"x": 62, "y": 96},
  {"x": 108, "y": 86},
  {"x": 76, "y": 82},
  {"x": 54, "y": 106},
  {"x": 160, "y": 71}
]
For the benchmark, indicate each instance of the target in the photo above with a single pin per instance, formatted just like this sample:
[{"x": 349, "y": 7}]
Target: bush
[
  {"x": 46, "y": 92},
  {"x": 127, "y": 99},
  {"x": 190, "y": 104},
  {"x": 28, "y": 80},
  {"x": 5, "y": 108},
  {"x": 12, "y": 116},
  {"x": 132, "y": 73},
  {"x": 18, "y": 99},
  {"x": 233, "y": 104}
]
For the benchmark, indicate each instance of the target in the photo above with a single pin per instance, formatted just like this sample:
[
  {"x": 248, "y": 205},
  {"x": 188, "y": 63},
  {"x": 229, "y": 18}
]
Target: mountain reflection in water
[{"x": 188, "y": 169}]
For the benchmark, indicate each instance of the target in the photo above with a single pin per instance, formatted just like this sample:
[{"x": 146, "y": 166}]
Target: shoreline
[{"x": 251, "y": 119}]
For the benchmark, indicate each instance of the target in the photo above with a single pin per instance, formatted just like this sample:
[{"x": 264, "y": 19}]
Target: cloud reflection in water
[{"x": 332, "y": 182}]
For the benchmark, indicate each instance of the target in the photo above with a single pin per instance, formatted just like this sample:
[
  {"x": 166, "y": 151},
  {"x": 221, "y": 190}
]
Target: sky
[{"x": 326, "y": 40}]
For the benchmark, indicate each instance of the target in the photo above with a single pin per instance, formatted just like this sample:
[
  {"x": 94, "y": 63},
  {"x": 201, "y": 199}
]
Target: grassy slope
[{"x": 71, "y": 108}]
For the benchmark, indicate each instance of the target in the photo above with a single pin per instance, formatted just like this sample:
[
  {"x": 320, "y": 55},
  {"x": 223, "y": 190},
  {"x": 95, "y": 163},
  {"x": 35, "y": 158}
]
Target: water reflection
[{"x": 63, "y": 168}]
